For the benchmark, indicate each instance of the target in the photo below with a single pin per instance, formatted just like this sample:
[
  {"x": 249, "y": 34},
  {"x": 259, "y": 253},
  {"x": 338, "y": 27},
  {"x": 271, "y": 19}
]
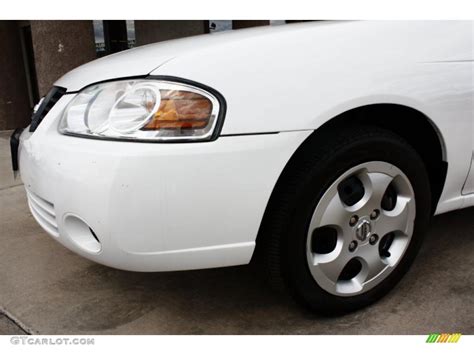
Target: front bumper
[{"x": 152, "y": 207}]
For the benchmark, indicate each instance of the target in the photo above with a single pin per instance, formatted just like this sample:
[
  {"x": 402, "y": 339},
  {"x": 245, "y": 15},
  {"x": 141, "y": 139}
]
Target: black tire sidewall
[{"x": 387, "y": 148}]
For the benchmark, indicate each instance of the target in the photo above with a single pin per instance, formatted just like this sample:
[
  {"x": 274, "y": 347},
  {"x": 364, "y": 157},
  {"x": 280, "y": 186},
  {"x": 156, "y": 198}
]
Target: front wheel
[{"x": 349, "y": 220}]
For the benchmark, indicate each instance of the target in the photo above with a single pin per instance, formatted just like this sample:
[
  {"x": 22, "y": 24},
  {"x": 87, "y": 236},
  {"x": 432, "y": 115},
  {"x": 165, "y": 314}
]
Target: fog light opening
[{"x": 81, "y": 234}]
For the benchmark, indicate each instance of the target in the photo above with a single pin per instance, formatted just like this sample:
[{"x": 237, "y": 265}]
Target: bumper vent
[
  {"x": 43, "y": 212},
  {"x": 46, "y": 105}
]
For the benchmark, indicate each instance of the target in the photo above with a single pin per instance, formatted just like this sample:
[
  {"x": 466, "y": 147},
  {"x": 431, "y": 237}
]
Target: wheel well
[{"x": 410, "y": 124}]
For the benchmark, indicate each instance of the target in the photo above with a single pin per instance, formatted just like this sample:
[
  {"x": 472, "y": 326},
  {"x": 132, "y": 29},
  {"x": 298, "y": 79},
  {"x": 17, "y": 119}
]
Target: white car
[{"x": 324, "y": 148}]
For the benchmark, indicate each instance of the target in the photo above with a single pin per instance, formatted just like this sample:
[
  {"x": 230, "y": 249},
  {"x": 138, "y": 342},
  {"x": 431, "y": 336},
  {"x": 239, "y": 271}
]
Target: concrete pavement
[
  {"x": 9, "y": 327},
  {"x": 49, "y": 290}
]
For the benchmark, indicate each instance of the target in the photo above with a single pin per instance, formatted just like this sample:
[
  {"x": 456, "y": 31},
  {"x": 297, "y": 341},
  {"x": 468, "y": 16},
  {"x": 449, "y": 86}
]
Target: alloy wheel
[{"x": 360, "y": 228}]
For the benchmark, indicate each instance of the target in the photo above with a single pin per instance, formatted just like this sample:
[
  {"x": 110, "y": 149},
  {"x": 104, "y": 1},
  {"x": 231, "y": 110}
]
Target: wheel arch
[
  {"x": 402, "y": 120},
  {"x": 408, "y": 123}
]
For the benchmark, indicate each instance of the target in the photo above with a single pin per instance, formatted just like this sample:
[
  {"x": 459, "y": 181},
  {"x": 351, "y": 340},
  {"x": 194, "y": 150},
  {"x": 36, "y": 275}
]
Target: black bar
[
  {"x": 14, "y": 144},
  {"x": 46, "y": 105}
]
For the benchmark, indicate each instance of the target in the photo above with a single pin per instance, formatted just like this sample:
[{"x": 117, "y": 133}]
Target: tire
[{"x": 287, "y": 243}]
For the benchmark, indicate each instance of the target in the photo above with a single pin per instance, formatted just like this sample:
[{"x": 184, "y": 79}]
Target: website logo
[{"x": 443, "y": 337}]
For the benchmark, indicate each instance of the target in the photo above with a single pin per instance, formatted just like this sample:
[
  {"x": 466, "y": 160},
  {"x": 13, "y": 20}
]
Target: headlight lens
[{"x": 144, "y": 110}]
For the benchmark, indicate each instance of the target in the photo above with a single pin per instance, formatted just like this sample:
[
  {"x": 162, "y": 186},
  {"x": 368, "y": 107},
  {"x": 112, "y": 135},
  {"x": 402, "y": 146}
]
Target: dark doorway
[
  {"x": 29, "y": 63},
  {"x": 115, "y": 36},
  {"x": 112, "y": 36}
]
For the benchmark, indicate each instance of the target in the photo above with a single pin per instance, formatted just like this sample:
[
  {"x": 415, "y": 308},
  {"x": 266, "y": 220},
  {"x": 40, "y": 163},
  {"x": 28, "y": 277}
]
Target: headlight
[{"x": 144, "y": 110}]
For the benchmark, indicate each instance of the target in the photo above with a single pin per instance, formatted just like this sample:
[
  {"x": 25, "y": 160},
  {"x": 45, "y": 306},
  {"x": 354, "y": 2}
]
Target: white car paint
[{"x": 161, "y": 207}]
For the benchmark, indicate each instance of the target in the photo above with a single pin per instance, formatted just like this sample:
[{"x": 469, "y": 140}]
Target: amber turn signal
[{"x": 181, "y": 110}]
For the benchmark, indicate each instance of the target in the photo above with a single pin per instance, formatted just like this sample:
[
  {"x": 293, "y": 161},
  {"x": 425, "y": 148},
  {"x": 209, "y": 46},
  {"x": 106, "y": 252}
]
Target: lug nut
[
  {"x": 374, "y": 214},
  {"x": 373, "y": 239},
  {"x": 353, "y": 220},
  {"x": 352, "y": 246}
]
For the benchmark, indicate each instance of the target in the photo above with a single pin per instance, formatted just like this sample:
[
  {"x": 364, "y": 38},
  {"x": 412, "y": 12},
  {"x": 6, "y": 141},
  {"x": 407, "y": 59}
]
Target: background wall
[
  {"x": 156, "y": 31},
  {"x": 60, "y": 46},
  {"x": 14, "y": 101}
]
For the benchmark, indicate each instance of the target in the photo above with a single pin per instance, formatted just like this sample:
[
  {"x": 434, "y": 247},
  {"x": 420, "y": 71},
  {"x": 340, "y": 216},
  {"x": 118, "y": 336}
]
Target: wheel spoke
[
  {"x": 377, "y": 184},
  {"x": 333, "y": 213},
  {"x": 332, "y": 266},
  {"x": 399, "y": 219},
  {"x": 373, "y": 262}
]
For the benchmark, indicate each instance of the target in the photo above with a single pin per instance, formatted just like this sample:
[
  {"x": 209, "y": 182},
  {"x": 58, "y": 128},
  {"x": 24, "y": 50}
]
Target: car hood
[
  {"x": 141, "y": 60},
  {"x": 134, "y": 62},
  {"x": 144, "y": 60}
]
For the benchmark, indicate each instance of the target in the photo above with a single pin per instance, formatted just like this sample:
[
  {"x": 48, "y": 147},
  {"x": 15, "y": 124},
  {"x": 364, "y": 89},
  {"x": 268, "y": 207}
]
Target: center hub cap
[{"x": 363, "y": 230}]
